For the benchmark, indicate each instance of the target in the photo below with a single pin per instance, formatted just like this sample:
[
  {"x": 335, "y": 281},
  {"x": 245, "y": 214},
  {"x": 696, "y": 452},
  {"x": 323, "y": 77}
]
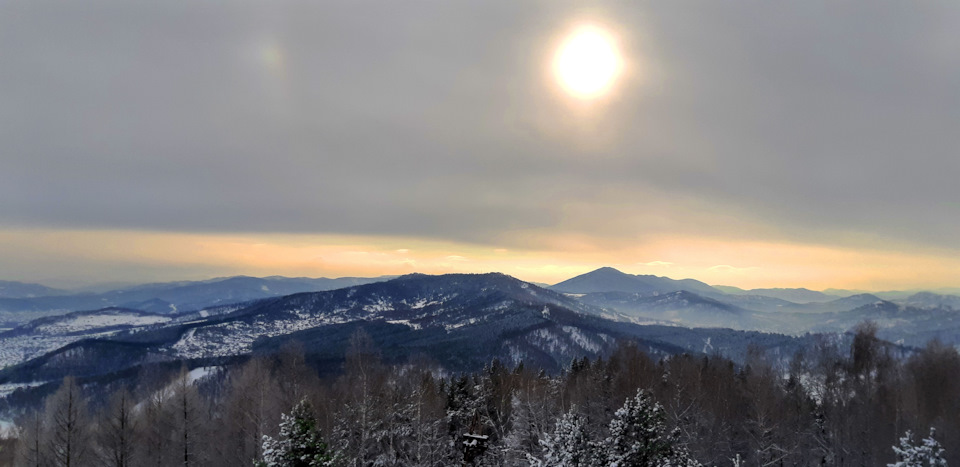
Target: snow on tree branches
[
  {"x": 638, "y": 437},
  {"x": 927, "y": 454},
  {"x": 300, "y": 443}
]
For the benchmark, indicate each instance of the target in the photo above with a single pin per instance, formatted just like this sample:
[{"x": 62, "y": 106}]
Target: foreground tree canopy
[{"x": 830, "y": 406}]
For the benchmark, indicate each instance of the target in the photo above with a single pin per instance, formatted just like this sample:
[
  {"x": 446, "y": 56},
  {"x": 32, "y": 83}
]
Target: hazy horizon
[{"x": 80, "y": 285}]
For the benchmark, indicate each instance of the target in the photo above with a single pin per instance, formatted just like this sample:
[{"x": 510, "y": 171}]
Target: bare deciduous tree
[
  {"x": 66, "y": 413},
  {"x": 117, "y": 434}
]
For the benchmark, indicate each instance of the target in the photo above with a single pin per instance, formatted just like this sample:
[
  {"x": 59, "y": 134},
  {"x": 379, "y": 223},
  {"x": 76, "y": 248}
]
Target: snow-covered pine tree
[
  {"x": 465, "y": 417},
  {"x": 394, "y": 434},
  {"x": 567, "y": 446},
  {"x": 533, "y": 412},
  {"x": 522, "y": 437},
  {"x": 461, "y": 406},
  {"x": 299, "y": 443},
  {"x": 927, "y": 454},
  {"x": 639, "y": 438}
]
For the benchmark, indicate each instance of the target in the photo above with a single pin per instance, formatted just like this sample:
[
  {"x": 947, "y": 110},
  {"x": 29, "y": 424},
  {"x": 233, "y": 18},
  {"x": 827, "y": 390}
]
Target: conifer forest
[{"x": 856, "y": 406}]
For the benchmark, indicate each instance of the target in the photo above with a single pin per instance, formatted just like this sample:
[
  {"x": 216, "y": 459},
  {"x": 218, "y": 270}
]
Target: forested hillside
[{"x": 831, "y": 406}]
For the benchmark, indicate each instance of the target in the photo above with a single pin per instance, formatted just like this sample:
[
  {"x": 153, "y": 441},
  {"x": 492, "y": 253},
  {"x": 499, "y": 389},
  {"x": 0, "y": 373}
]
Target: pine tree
[
  {"x": 461, "y": 406},
  {"x": 522, "y": 437},
  {"x": 638, "y": 437},
  {"x": 567, "y": 446},
  {"x": 299, "y": 443},
  {"x": 927, "y": 454}
]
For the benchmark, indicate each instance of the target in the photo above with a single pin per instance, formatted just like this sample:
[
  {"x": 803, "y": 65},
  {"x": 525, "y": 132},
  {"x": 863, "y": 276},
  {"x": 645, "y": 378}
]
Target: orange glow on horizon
[{"x": 747, "y": 264}]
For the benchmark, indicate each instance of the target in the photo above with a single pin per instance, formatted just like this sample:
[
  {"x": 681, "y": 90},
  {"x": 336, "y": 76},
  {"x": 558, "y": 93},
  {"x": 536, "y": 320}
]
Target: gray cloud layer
[{"x": 436, "y": 118}]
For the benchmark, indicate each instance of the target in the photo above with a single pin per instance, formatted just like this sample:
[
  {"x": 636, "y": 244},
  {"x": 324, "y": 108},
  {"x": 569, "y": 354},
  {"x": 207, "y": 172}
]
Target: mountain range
[
  {"x": 799, "y": 295},
  {"x": 608, "y": 279},
  {"x": 17, "y": 307},
  {"x": 14, "y": 289},
  {"x": 912, "y": 320},
  {"x": 461, "y": 321}
]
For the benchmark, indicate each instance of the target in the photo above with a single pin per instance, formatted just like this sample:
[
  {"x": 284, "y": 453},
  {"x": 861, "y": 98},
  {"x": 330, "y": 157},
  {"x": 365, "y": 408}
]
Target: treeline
[{"x": 829, "y": 406}]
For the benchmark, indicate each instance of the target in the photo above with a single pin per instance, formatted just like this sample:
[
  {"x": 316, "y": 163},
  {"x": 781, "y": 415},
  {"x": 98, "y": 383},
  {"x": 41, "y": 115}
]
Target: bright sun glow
[{"x": 587, "y": 62}]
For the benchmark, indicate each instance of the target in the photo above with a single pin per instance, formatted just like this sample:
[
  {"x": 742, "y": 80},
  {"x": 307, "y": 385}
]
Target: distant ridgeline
[{"x": 461, "y": 321}]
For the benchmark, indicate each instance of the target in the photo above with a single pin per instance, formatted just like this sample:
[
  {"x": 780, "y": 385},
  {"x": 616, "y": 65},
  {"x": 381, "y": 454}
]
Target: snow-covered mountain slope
[
  {"x": 416, "y": 301},
  {"x": 834, "y": 306},
  {"x": 50, "y": 333},
  {"x": 897, "y": 323},
  {"x": 795, "y": 295},
  {"x": 172, "y": 297},
  {"x": 910, "y": 325},
  {"x": 684, "y": 308},
  {"x": 460, "y": 320},
  {"x": 755, "y": 302},
  {"x": 931, "y": 300}
]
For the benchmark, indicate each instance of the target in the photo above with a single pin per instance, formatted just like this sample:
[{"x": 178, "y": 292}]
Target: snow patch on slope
[{"x": 580, "y": 339}]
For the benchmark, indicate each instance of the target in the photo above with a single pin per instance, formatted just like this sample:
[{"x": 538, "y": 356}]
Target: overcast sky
[{"x": 757, "y": 143}]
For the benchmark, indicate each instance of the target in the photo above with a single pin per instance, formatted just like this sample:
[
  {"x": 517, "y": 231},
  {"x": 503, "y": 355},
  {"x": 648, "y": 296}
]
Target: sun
[{"x": 587, "y": 62}]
